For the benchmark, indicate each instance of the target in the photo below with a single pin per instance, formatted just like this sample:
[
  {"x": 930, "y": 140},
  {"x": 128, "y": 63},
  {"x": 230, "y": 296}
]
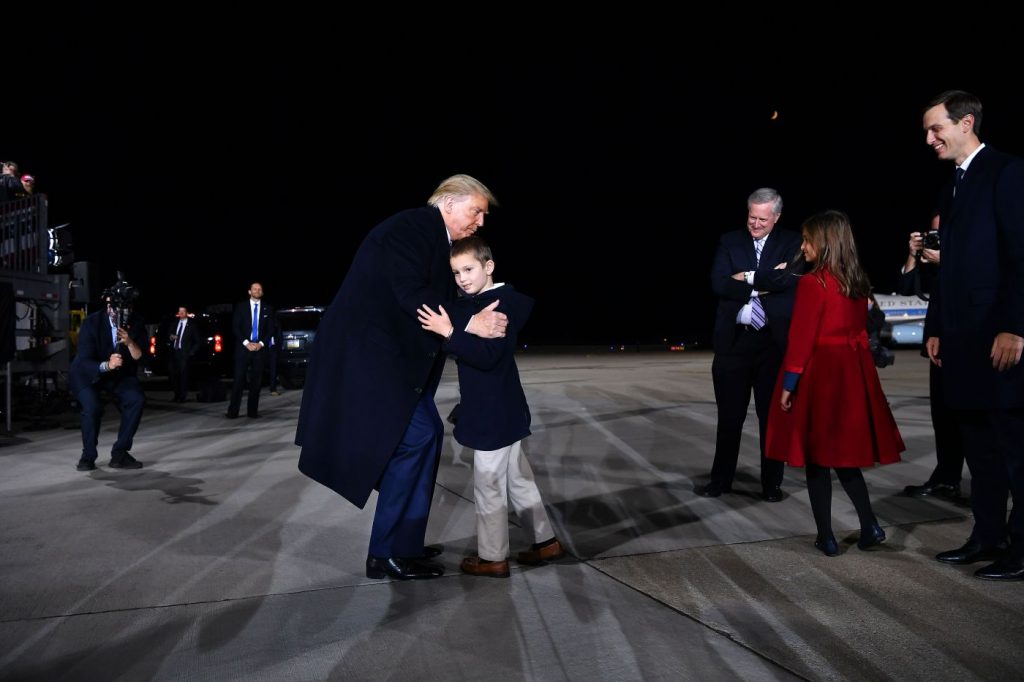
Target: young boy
[{"x": 493, "y": 415}]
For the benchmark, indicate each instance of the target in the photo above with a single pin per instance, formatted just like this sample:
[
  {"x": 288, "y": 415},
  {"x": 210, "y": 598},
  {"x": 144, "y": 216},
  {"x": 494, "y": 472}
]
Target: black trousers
[
  {"x": 949, "y": 448},
  {"x": 992, "y": 444},
  {"x": 179, "y": 373},
  {"x": 751, "y": 365},
  {"x": 251, "y": 363}
]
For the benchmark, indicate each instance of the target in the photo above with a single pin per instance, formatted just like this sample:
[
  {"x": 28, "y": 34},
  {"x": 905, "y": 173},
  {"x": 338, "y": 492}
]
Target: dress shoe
[
  {"x": 714, "y": 489},
  {"x": 431, "y": 551},
  {"x": 402, "y": 569},
  {"x": 541, "y": 552},
  {"x": 86, "y": 465},
  {"x": 929, "y": 488},
  {"x": 772, "y": 494},
  {"x": 123, "y": 460},
  {"x": 231, "y": 415},
  {"x": 827, "y": 545},
  {"x": 971, "y": 552},
  {"x": 1007, "y": 568},
  {"x": 871, "y": 537},
  {"x": 474, "y": 565}
]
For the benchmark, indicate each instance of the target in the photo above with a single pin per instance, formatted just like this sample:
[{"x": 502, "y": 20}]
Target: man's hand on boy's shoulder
[{"x": 488, "y": 323}]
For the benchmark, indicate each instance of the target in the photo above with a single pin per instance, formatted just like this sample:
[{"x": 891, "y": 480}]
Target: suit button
[
  {"x": 418, "y": 389},
  {"x": 431, "y": 355}
]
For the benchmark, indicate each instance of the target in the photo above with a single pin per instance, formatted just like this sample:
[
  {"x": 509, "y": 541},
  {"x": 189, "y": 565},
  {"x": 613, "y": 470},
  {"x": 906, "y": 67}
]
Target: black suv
[
  {"x": 298, "y": 330},
  {"x": 213, "y": 358}
]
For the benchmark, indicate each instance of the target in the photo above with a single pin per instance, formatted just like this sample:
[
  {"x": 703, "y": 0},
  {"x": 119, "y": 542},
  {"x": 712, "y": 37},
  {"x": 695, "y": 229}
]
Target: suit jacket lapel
[{"x": 766, "y": 252}]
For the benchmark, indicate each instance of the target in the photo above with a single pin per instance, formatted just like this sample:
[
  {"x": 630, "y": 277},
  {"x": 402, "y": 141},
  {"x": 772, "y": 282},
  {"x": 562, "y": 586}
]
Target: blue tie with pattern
[
  {"x": 255, "y": 336},
  {"x": 757, "y": 318}
]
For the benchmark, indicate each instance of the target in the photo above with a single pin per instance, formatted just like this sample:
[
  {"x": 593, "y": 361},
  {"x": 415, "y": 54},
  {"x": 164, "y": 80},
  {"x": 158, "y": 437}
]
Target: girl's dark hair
[{"x": 831, "y": 235}]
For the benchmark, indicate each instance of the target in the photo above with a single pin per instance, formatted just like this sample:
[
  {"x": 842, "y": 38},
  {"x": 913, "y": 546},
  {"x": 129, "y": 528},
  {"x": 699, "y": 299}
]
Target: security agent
[{"x": 110, "y": 344}]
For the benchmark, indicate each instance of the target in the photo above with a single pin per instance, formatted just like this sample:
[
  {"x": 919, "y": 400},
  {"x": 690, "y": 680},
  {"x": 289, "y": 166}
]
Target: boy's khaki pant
[{"x": 499, "y": 476}]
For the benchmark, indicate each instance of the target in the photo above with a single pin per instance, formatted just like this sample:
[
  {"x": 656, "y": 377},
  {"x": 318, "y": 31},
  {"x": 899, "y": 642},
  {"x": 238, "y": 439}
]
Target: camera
[
  {"x": 120, "y": 295},
  {"x": 930, "y": 240}
]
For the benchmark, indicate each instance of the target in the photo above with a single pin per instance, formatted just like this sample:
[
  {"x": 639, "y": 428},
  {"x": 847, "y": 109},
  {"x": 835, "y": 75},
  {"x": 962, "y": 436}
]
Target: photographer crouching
[{"x": 108, "y": 360}]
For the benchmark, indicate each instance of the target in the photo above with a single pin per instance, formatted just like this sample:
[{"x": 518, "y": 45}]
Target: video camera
[{"x": 120, "y": 295}]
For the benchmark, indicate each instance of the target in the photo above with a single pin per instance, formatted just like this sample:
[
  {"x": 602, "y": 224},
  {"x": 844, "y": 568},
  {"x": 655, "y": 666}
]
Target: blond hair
[{"x": 460, "y": 186}]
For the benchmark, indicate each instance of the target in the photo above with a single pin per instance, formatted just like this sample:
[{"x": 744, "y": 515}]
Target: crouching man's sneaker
[{"x": 123, "y": 460}]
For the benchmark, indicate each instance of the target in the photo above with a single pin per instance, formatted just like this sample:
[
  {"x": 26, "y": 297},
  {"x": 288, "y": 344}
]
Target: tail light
[
  {"x": 218, "y": 343},
  {"x": 152, "y": 345}
]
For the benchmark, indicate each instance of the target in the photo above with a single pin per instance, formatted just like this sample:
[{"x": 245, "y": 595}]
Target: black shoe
[
  {"x": 252, "y": 415},
  {"x": 1006, "y": 568},
  {"x": 86, "y": 465},
  {"x": 929, "y": 488},
  {"x": 772, "y": 494},
  {"x": 871, "y": 537},
  {"x": 827, "y": 545},
  {"x": 429, "y": 552},
  {"x": 972, "y": 552},
  {"x": 123, "y": 460},
  {"x": 402, "y": 569},
  {"x": 714, "y": 489},
  {"x": 231, "y": 415}
]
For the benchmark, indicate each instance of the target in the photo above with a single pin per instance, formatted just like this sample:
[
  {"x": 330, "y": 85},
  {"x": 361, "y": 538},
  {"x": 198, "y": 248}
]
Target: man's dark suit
[
  {"x": 748, "y": 360},
  {"x": 980, "y": 294},
  {"x": 181, "y": 354},
  {"x": 247, "y": 361},
  {"x": 368, "y": 417},
  {"x": 95, "y": 346},
  {"x": 949, "y": 451}
]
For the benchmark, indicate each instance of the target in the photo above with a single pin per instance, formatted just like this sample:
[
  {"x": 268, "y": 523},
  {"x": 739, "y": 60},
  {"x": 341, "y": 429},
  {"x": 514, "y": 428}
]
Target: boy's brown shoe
[
  {"x": 474, "y": 565},
  {"x": 540, "y": 554}
]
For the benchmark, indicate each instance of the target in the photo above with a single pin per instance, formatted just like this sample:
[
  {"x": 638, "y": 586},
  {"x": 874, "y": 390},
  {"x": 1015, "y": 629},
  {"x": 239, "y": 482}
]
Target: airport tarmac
[{"x": 219, "y": 561}]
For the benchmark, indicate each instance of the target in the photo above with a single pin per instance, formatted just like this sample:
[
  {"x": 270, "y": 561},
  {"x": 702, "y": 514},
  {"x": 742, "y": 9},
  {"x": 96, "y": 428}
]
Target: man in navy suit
[
  {"x": 368, "y": 418},
  {"x": 184, "y": 342},
  {"x": 755, "y": 289},
  {"x": 975, "y": 328},
  {"x": 107, "y": 359},
  {"x": 252, "y": 340}
]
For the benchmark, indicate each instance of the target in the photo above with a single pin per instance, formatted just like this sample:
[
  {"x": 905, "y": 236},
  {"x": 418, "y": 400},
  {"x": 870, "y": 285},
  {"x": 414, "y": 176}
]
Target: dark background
[{"x": 198, "y": 156}]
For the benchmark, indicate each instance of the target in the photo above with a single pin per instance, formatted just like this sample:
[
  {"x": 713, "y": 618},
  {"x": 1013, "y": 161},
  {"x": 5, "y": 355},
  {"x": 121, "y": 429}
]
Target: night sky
[{"x": 197, "y": 160}]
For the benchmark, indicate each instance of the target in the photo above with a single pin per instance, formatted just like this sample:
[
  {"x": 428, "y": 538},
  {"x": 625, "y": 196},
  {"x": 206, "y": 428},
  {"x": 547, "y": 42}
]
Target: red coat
[{"x": 839, "y": 417}]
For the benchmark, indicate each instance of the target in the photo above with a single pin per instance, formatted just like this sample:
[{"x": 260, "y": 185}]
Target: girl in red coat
[{"x": 829, "y": 410}]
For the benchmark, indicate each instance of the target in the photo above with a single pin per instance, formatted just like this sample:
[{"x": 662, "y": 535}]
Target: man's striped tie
[{"x": 757, "y": 318}]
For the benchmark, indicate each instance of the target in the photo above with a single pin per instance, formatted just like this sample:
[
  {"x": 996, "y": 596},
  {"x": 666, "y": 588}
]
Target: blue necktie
[
  {"x": 757, "y": 318},
  {"x": 959, "y": 178},
  {"x": 255, "y": 336}
]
